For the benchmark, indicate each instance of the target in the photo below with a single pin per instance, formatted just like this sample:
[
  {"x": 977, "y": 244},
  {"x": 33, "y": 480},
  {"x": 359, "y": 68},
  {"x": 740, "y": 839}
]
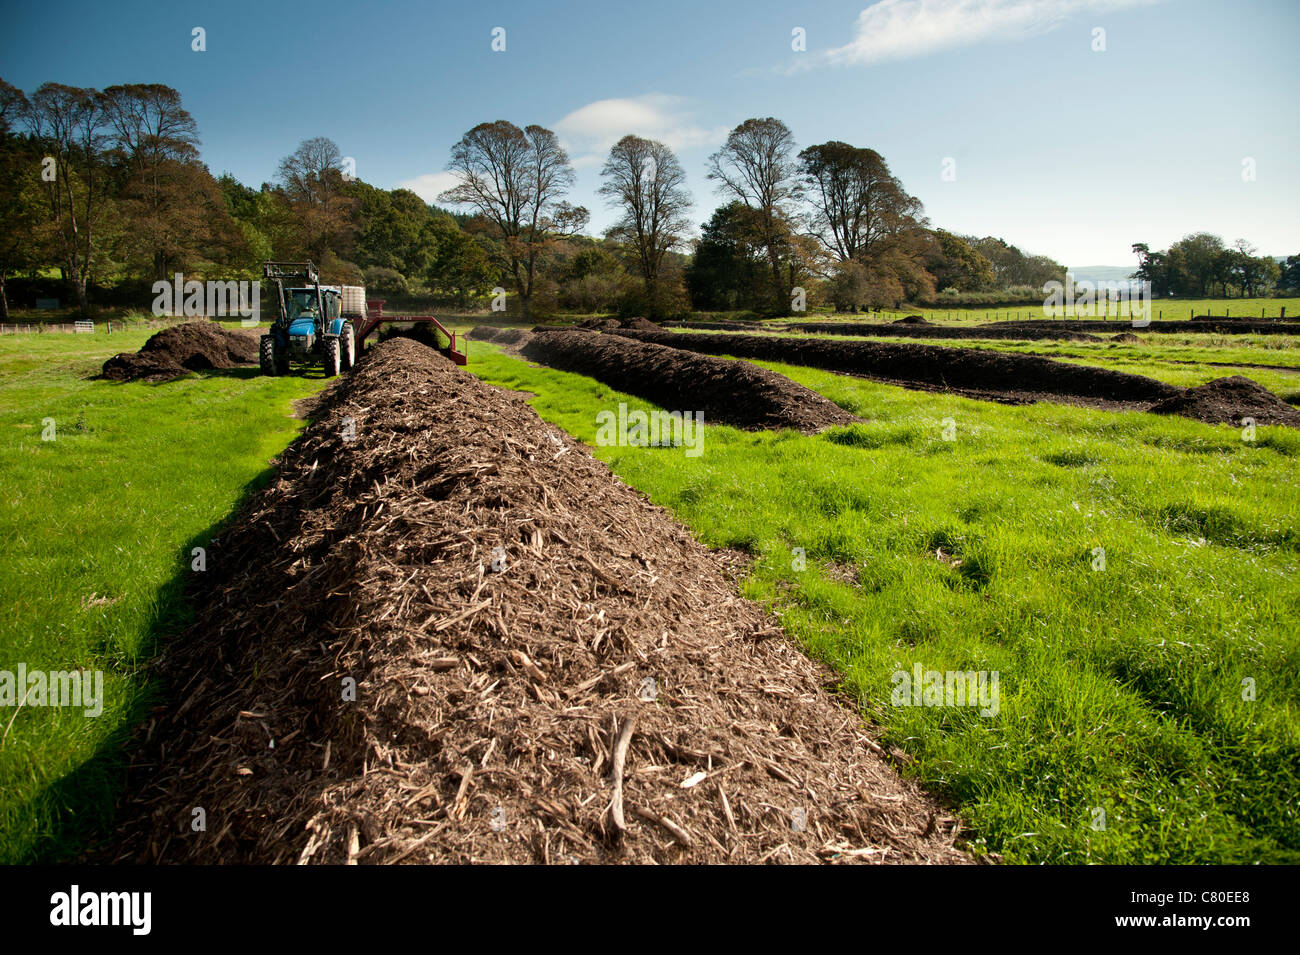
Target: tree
[
  {"x": 726, "y": 272},
  {"x": 856, "y": 201},
  {"x": 1200, "y": 254},
  {"x": 1011, "y": 267},
  {"x": 1249, "y": 272},
  {"x": 755, "y": 167},
  {"x": 19, "y": 198},
  {"x": 1289, "y": 273},
  {"x": 644, "y": 180},
  {"x": 173, "y": 206},
  {"x": 897, "y": 274},
  {"x": 394, "y": 230},
  {"x": 254, "y": 214},
  {"x": 956, "y": 264},
  {"x": 848, "y": 286},
  {"x": 1152, "y": 267},
  {"x": 460, "y": 266},
  {"x": 515, "y": 179},
  {"x": 319, "y": 212},
  {"x": 68, "y": 124}
]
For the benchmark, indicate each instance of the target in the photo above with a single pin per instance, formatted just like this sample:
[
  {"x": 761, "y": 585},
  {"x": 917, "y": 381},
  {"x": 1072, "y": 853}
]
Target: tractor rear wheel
[
  {"x": 349, "y": 355},
  {"x": 332, "y": 357},
  {"x": 266, "y": 355}
]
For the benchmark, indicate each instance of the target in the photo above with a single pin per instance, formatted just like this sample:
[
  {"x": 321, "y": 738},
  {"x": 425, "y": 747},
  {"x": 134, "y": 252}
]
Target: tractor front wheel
[
  {"x": 266, "y": 355},
  {"x": 332, "y": 357}
]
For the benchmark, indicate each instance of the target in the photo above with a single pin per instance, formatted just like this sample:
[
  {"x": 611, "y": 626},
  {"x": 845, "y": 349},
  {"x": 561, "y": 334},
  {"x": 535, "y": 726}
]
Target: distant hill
[{"x": 1102, "y": 273}]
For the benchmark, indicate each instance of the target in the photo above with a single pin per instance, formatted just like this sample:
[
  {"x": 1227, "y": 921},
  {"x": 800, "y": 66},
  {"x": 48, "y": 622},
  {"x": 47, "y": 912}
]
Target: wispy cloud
[
  {"x": 588, "y": 132},
  {"x": 429, "y": 185},
  {"x": 902, "y": 29}
]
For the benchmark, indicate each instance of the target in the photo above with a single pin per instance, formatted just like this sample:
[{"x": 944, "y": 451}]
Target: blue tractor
[{"x": 314, "y": 324}]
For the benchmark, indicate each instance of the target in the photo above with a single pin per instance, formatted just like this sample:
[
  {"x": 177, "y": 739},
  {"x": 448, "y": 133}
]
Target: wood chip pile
[{"x": 446, "y": 633}]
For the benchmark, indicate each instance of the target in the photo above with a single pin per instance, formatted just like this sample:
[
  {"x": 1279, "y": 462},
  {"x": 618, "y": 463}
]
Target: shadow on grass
[{"x": 76, "y": 812}]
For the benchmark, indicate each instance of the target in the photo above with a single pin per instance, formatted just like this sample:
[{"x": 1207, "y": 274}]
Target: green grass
[
  {"x": 95, "y": 535},
  {"x": 1169, "y": 310},
  {"x": 1121, "y": 689},
  {"x": 1173, "y": 364}
]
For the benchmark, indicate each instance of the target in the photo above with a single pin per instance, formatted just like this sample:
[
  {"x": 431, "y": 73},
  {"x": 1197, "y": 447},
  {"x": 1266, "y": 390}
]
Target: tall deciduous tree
[
  {"x": 755, "y": 166},
  {"x": 169, "y": 199},
  {"x": 68, "y": 123},
  {"x": 856, "y": 201},
  {"x": 319, "y": 213},
  {"x": 19, "y": 211},
  {"x": 515, "y": 179},
  {"x": 956, "y": 264},
  {"x": 459, "y": 266},
  {"x": 644, "y": 180},
  {"x": 726, "y": 270}
]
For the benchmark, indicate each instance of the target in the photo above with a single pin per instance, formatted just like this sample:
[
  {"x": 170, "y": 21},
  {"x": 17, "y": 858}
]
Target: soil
[
  {"x": 727, "y": 392},
  {"x": 176, "y": 351},
  {"x": 421, "y": 332},
  {"x": 508, "y": 611},
  {"x": 1011, "y": 378},
  {"x": 1228, "y": 401},
  {"x": 497, "y": 335},
  {"x": 912, "y": 320},
  {"x": 902, "y": 328},
  {"x": 719, "y": 326},
  {"x": 609, "y": 324}
]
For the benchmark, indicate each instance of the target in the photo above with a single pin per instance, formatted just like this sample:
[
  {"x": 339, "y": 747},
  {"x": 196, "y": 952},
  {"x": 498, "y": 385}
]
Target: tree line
[
  {"x": 106, "y": 188},
  {"x": 1200, "y": 264}
]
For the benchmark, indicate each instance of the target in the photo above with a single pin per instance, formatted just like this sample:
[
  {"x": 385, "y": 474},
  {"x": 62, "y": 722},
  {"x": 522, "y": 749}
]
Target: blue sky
[{"x": 1058, "y": 148}]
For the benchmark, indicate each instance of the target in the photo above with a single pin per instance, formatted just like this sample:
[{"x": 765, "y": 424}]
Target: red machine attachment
[{"x": 375, "y": 317}]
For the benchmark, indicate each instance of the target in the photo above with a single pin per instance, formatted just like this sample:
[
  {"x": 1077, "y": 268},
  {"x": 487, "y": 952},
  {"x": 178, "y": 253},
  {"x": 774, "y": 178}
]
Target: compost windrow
[
  {"x": 998, "y": 376},
  {"x": 181, "y": 349},
  {"x": 444, "y": 632},
  {"x": 727, "y": 392}
]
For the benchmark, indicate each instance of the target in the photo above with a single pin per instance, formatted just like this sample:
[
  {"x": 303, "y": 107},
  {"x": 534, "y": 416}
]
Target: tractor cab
[{"x": 308, "y": 312}]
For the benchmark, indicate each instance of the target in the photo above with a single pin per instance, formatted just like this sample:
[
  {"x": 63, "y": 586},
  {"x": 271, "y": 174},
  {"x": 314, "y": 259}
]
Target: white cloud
[
  {"x": 900, "y": 29},
  {"x": 429, "y": 185},
  {"x": 588, "y": 132}
]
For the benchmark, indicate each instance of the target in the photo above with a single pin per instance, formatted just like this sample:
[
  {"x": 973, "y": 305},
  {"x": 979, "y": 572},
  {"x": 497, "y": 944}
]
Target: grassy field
[
  {"x": 1174, "y": 364},
  {"x": 1124, "y": 731},
  {"x": 95, "y": 537},
  {"x": 1169, "y": 310},
  {"x": 1132, "y": 578}
]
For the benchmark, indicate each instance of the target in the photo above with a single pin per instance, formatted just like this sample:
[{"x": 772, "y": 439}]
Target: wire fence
[{"x": 80, "y": 328}]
